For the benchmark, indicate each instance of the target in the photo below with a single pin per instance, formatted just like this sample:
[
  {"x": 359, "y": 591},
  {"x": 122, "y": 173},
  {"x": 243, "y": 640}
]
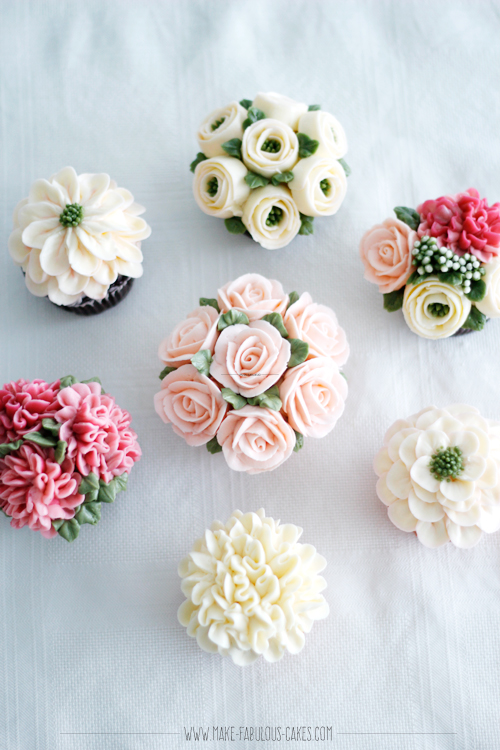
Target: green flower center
[
  {"x": 218, "y": 123},
  {"x": 438, "y": 309},
  {"x": 274, "y": 216},
  {"x": 325, "y": 186},
  {"x": 272, "y": 146},
  {"x": 212, "y": 186},
  {"x": 72, "y": 215},
  {"x": 446, "y": 464}
]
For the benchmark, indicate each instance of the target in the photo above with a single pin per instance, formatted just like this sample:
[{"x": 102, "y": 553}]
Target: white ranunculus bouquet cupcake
[
  {"x": 268, "y": 167},
  {"x": 253, "y": 372}
]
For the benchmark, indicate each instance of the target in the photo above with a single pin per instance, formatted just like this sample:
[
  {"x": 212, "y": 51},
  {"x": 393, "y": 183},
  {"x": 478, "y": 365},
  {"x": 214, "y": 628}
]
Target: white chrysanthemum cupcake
[{"x": 78, "y": 240}]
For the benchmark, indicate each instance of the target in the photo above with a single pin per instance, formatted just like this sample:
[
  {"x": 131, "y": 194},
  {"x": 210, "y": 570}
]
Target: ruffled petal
[
  {"x": 421, "y": 475},
  {"x": 37, "y": 233},
  {"x": 424, "y": 511},
  {"x": 401, "y": 516},
  {"x": 43, "y": 190},
  {"x": 383, "y": 492},
  {"x": 457, "y": 490},
  {"x": 54, "y": 256},
  {"x": 17, "y": 249},
  {"x": 398, "y": 480},
  {"x": 432, "y": 534},
  {"x": 463, "y": 536}
]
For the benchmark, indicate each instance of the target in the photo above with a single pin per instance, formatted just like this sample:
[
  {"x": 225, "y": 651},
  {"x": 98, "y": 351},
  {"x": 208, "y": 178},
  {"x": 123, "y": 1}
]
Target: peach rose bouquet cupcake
[
  {"x": 440, "y": 264},
  {"x": 253, "y": 372}
]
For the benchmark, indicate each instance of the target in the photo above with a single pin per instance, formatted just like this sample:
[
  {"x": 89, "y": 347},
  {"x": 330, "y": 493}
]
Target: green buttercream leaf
[
  {"x": 413, "y": 278},
  {"x": 91, "y": 497},
  {"x": 60, "y": 451},
  {"x": 307, "y": 146},
  {"x": 199, "y": 158},
  {"x": 282, "y": 177},
  {"x": 345, "y": 167},
  {"x": 313, "y": 107},
  {"x": 50, "y": 425},
  {"x": 166, "y": 370},
  {"x": 394, "y": 300},
  {"x": 41, "y": 440},
  {"x": 236, "y": 401},
  {"x": 292, "y": 298},
  {"x": 306, "y": 224},
  {"x": 107, "y": 492},
  {"x": 408, "y": 215},
  {"x": 270, "y": 399},
  {"x": 88, "y": 484},
  {"x": 6, "y": 448},
  {"x": 66, "y": 381},
  {"x": 477, "y": 290},
  {"x": 89, "y": 513},
  {"x": 254, "y": 180},
  {"x": 69, "y": 529},
  {"x": 343, "y": 374},
  {"x": 235, "y": 225},
  {"x": 299, "y": 441},
  {"x": 476, "y": 320},
  {"x": 202, "y": 361},
  {"x": 231, "y": 318},
  {"x": 121, "y": 482},
  {"x": 300, "y": 351},
  {"x": 233, "y": 147},
  {"x": 254, "y": 115},
  {"x": 451, "y": 277},
  {"x": 276, "y": 320},
  {"x": 209, "y": 301},
  {"x": 94, "y": 380},
  {"x": 247, "y": 103},
  {"x": 213, "y": 446}
]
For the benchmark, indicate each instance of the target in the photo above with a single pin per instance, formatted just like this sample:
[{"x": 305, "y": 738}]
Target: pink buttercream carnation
[
  {"x": 23, "y": 405},
  {"x": 35, "y": 489},
  {"x": 97, "y": 431},
  {"x": 464, "y": 223}
]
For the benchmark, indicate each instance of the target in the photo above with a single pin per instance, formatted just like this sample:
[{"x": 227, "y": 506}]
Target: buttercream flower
[
  {"x": 386, "y": 252},
  {"x": 35, "y": 489},
  {"x": 435, "y": 310},
  {"x": 319, "y": 186},
  {"x": 464, "y": 223},
  {"x": 192, "y": 404},
  {"x": 219, "y": 186},
  {"x": 327, "y": 130},
  {"x": 490, "y": 304},
  {"x": 439, "y": 475},
  {"x": 271, "y": 216},
  {"x": 23, "y": 405},
  {"x": 269, "y": 146},
  {"x": 197, "y": 332},
  {"x": 251, "y": 589},
  {"x": 97, "y": 432},
  {"x": 75, "y": 234},
  {"x": 313, "y": 396},
  {"x": 221, "y": 126},
  {"x": 250, "y": 359},
  {"x": 255, "y": 439},
  {"x": 317, "y": 325},
  {"x": 254, "y": 295},
  {"x": 279, "y": 107}
]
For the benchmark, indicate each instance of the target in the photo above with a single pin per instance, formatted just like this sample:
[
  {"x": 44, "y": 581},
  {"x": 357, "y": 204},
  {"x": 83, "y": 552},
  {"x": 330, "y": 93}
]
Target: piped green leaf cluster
[
  {"x": 232, "y": 318},
  {"x": 307, "y": 146},
  {"x": 200, "y": 156},
  {"x": 270, "y": 399},
  {"x": 233, "y": 147},
  {"x": 254, "y": 115},
  {"x": 408, "y": 216},
  {"x": 306, "y": 224},
  {"x": 276, "y": 320}
]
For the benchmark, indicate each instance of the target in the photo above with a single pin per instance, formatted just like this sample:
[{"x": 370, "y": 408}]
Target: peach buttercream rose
[
  {"x": 249, "y": 359},
  {"x": 254, "y": 295},
  {"x": 386, "y": 252},
  {"x": 255, "y": 439},
  {"x": 317, "y": 325},
  {"x": 198, "y": 331},
  {"x": 192, "y": 404},
  {"x": 313, "y": 396}
]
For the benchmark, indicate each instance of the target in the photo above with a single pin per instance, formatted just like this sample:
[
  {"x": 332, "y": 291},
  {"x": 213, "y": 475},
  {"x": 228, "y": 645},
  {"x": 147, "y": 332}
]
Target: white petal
[
  {"x": 135, "y": 270},
  {"x": 54, "y": 256},
  {"x": 81, "y": 260},
  {"x": 384, "y": 493},
  {"x": 396, "y": 440},
  {"x": 34, "y": 269},
  {"x": 456, "y": 410},
  {"x": 128, "y": 251},
  {"x": 67, "y": 180},
  {"x": 490, "y": 519},
  {"x": 105, "y": 274},
  {"x": 469, "y": 518},
  {"x": 382, "y": 463},
  {"x": 475, "y": 467},
  {"x": 401, "y": 516},
  {"x": 490, "y": 476},
  {"x": 407, "y": 449},
  {"x": 467, "y": 441},
  {"x": 432, "y": 534},
  {"x": 43, "y": 190},
  {"x": 17, "y": 249},
  {"x": 461, "y": 506},
  {"x": 95, "y": 291},
  {"x": 421, "y": 475},
  {"x": 58, "y": 297},
  {"x": 102, "y": 246},
  {"x": 431, "y": 441},
  {"x": 399, "y": 424},
  {"x": 484, "y": 441},
  {"x": 425, "y": 495},
  {"x": 398, "y": 480},
  {"x": 491, "y": 495},
  {"x": 427, "y": 418},
  {"x": 72, "y": 283},
  {"x": 457, "y": 490},
  {"x": 475, "y": 420},
  {"x": 37, "y": 233},
  {"x": 36, "y": 211},
  {"x": 463, "y": 536},
  {"x": 39, "y": 290},
  {"x": 424, "y": 511},
  {"x": 92, "y": 188}
]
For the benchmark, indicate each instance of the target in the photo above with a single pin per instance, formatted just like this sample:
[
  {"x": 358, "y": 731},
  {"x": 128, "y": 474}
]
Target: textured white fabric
[{"x": 90, "y": 639}]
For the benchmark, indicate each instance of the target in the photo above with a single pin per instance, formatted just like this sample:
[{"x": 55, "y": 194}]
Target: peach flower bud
[
  {"x": 254, "y": 295},
  {"x": 198, "y": 331},
  {"x": 317, "y": 325},
  {"x": 192, "y": 404},
  {"x": 313, "y": 396},
  {"x": 255, "y": 439},
  {"x": 386, "y": 252}
]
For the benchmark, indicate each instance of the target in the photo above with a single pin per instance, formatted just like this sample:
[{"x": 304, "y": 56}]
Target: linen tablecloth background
[{"x": 92, "y": 654}]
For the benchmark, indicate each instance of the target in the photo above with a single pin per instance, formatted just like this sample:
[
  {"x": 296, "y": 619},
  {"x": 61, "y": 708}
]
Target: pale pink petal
[
  {"x": 432, "y": 534},
  {"x": 398, "y": 480},
  {"x": 424, "y": 511},
  {"x": 401, "y": 516},
  {"x": 384, "y": 494},
  {"x": 54, "y": 256},
  {"x": 421, "y": 475},
  {"x": 463, "y": 536},
  {"x": 431, "y": 441},
  {"x": 457, "y": 490},
  {"x": 382, "y": 463}
]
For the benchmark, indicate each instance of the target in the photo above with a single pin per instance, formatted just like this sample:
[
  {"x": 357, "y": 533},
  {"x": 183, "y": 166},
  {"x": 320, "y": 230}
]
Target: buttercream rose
[
  {"x": 255, "y": 439},
  {"x": 327, "y": 130},
  {"x": 271, "y": 216},
  {"x": 317, "y": 325},
  {"x": 219, "y": 186},
  {"x": 490, "y": 304},
  {"x": 313, "y": 396},
  {"x": 254, "y": 295},
  {"x": 269, "y": 146},
  {"x": 249, "y": 359},
  {"x": 197, "y": 332},
  {"x": 220, "y": 126},
  {"x": 192, "y": 404},
  {"x": 280, "y": 107},
  {"x": 319, "y": 186},
  {"x": 386, "y": 252},
  {"x": 435, "y": 310}
]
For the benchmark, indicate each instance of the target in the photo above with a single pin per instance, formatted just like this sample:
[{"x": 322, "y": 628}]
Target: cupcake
[
  {"x": 78, "y": 239},
  {"x": 251, "y": 589},
  {"x": 65, "y": 448}
]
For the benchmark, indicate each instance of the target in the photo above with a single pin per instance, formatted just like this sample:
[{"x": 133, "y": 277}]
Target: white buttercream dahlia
[
  {"x": 251, "y": 589},
  {"x": 75, "y": 234},
  {"x": 439, "y": 473}
]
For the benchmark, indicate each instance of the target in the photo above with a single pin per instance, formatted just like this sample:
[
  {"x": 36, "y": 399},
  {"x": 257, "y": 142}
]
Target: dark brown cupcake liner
[{"x": 117, "y": 291}]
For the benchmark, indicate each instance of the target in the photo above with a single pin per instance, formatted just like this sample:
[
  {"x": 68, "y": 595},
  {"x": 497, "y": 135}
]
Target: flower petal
[
  {"x": 490, "y": 519},
  {"x": 34, "y": 269},
  {"x": 39, "y": 290},
  {"x": 102, "y": 246},
  {"x": 37, "y": 233},
  {"x": 469, "y": 518},
  {"x": 456, "y": 410},
  {"x": 463, "y": 536},
  {"x": 431, "y": 441},
  {"x": 54, "y": 256},
  {"x": 135, "y": 270},
  {"x": 396, "y": 440},
  {"x": 37, "y": 211},
  {"x": 92, "y": 189},
  {"x": 81, "y": 260},
  {"x": 424, "y": 511},
  {"x": 421, "y": 475},
  {"x": 382, "y": 463},
  {"x": 401, "y": 516},
  {"x": 17, "y": 249},
  {"x": 72, "y": 283},
  {"x": 384, "y": 493},
  {"x": 398, "y": 480},
  {"x": 428, "y": 417},
  {"x": 467, "y": 441},
  {"x": 424, "y": 495},
  {"x": 432, "y": 534},
  {"x": 67, "y": 180},
  {"x": 58, "y": 297},
  {"x": 407, "y": 449},
  {"x": 106, "y": 273},
  {"x": 43, "y": 190},
  {"x": 489, "y": 478},
  {"x": 399, "y": 424},
  {"x": 95, "y": 291},
  {"x": 475, "y": 467},
  {"x": 128, "y": 251},
  {"x": 457, "y": 490}
]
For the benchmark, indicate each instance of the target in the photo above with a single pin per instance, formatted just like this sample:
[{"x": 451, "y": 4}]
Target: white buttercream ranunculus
[
  {"x": 438, "y": 508},
  {"x": 417, "y": 302},
  {"x": 219, "y": 186},
  {"x": 269, "y": 134},
  {"x": 319, "y": 186},
  {"x": 327, "y": 130},
  {"x": 220, "y": 126},
  {"x": 251, "y": 589},
  {"x": 256, "y": 215},
  {"x": 67, "y": 262},
  {"x": 490, "y": 304},
  {"x": 254, "y": 295},
  {"x": 280, "y": 107}
]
